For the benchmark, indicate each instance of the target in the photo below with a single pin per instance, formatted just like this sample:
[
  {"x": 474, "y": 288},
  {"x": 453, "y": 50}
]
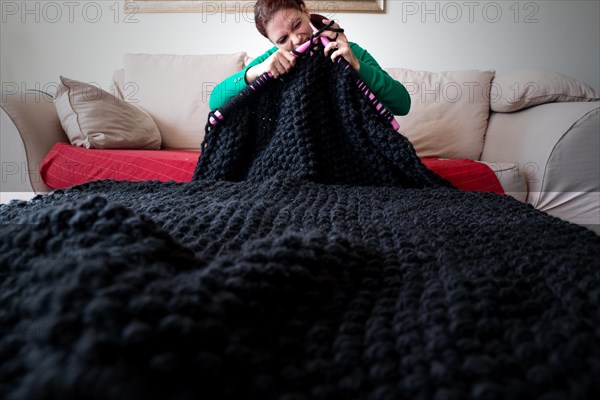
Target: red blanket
[{"x": 67, "y": 165}]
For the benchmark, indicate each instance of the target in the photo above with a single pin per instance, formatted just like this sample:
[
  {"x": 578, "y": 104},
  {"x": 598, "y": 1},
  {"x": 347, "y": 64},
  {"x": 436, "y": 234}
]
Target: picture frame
[{"x": 246, "y": 6}]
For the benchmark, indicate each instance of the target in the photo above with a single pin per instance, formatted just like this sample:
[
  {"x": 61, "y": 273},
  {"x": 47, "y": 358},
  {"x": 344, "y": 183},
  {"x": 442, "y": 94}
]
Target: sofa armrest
[
  {"x": 557, "y": 147},
  {"x": 30, "y": 128}
]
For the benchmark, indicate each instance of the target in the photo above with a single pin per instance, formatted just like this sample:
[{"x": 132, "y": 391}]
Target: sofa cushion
[
  {"x": 175, "y": 90},
  {"x": 94, "y": 118},
  {"x": 118, "y": 79},
  {"x": 465, "y": 174},
  {"x": 449, "y": 111},
  {"x": 511, "y": 178},
  {"x": 518, "y": 90},
  {"x": 68, "y": 165}
]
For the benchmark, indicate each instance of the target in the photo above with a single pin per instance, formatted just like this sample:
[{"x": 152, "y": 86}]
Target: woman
[{"x": 286, "y": 23}]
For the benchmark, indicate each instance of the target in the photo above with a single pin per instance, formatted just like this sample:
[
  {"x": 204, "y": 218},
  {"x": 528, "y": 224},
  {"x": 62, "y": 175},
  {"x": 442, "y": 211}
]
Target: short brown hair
[{"x": 265, "y": 9}]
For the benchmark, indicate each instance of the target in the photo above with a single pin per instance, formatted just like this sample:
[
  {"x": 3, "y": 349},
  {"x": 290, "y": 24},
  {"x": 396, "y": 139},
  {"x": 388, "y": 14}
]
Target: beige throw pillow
[
  {"x": 96, "y": 119},
  {"x": 449, "y": 111},
  {"x": 518, "y": 90},
  {"x": 175, "y": 90}
]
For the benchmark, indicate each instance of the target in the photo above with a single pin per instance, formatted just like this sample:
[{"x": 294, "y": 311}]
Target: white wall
[{"x": 38, "y": 44}]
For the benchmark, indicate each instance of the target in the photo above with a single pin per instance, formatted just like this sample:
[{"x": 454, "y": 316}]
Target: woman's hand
[
  {"x": 339, "y": 46},
  {"x": 278, "y": 64}
]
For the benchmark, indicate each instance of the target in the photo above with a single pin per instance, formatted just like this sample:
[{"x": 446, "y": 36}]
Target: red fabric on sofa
[
  {"x": 465, "y": 174},
  {"x": 67, "y": 165}
]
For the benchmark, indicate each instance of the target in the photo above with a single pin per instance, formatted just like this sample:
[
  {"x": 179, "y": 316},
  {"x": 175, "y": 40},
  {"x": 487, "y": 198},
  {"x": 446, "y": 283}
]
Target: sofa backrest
[
  {"x": 449, "y": 111},
  {"x": 175, "y": 90},
  {"x": 448, "y": 118}
]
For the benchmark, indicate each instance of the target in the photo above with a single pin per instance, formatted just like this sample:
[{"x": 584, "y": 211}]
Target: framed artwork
[{"x": 246, "y": 6}]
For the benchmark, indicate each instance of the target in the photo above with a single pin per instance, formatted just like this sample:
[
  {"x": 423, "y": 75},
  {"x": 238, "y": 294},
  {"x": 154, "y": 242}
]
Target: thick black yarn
[
  {"x": 294, "y": 290},
  {"x": 313, "y": 124},
  {"x": 282, "y": 288}
]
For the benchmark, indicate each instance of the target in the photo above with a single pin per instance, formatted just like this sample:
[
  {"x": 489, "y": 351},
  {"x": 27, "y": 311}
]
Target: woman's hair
[{"x": 264, "y": 10}]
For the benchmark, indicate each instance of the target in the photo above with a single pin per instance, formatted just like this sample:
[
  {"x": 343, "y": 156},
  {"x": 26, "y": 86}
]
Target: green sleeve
[
  {"x": 391, "y": 93},
  {"x": 234, "y": 85}
]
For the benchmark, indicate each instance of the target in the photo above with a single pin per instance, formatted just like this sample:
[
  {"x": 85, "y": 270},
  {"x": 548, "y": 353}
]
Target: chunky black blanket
[{"x": 278, "y": 274}]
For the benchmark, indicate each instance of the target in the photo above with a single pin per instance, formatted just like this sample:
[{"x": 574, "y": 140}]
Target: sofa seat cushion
[
  {"x": 465, "y": 174},
  {"x": 511, "y": 178},
  {"x": 67, "y": 165}
]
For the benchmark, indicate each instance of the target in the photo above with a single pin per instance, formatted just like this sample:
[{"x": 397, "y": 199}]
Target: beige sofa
[{"x": 539, "y": 131}]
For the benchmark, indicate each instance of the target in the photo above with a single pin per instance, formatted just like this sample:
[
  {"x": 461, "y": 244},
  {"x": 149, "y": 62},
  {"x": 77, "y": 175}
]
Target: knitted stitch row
[{"x": 294, "y": 290}]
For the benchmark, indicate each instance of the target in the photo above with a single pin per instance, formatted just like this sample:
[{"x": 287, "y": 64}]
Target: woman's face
[{"x": 289, "y": 28}]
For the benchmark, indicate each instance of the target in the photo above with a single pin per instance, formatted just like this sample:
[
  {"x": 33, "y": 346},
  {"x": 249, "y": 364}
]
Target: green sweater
[{"x": 391, "y": 93}]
